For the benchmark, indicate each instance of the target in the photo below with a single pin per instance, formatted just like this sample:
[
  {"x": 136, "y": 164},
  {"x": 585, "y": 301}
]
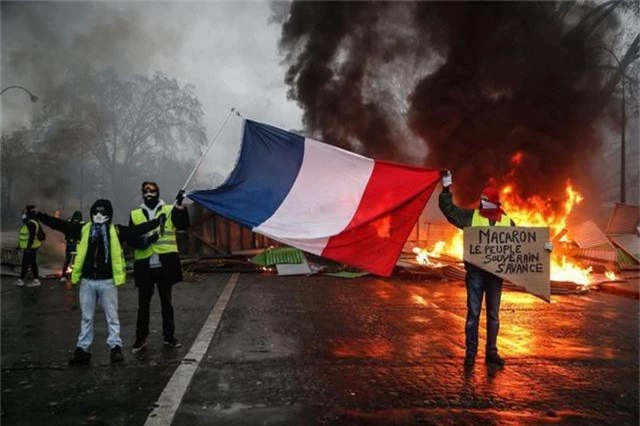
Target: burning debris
[
  {"x": 584, "y": 256},
  {"x": 464, "y": 91}
]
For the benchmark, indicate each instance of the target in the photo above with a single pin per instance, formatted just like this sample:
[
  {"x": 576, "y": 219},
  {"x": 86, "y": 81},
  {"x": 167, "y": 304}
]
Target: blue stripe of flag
[{"x": 269, "y": 163}]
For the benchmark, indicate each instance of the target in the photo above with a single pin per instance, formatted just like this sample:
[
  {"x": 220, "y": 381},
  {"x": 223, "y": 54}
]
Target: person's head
[
  {"x": 490, "y": 198},
  {"x": 150, "y": 194},
  {"x": 28, "y": 212},
  {"x": 101, "y": 211},
  {"x": 76, "y": 216}
]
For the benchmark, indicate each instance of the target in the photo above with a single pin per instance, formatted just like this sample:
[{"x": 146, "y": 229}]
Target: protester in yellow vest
[
  {"x": 99, "y": 268},
  {"x": 478, "y": 281},
  {"x": 29, "y": 241},
  {"x": 157, "y": 264}
]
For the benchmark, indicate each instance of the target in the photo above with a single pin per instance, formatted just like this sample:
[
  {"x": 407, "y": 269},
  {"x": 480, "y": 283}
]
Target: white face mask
[
  {"x": 24, "y": 216},
  {"x": 487, "y": 205},
  {"x": 99, "y": 218}
]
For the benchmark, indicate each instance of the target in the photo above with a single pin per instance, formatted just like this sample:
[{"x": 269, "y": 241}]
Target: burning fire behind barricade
[
  {"x": 446, "y": 73},
  {"x": 567, "y": 274}
]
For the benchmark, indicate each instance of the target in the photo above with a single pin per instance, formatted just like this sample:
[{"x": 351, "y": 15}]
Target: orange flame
[
  {"x": 452, "y": 248},
  {"x": 610, "y": 275},
  {"x": 538, "y": 211},
  {"x": 517, "y": 158},
  {"x": 532, "y": 211}
]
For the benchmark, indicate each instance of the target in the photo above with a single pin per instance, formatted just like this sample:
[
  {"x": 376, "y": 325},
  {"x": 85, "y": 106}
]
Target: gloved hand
[
  {"x": 150, "y": 239},
  {"x": 180, "y": 197},
  {"x": 548, "y": 246},
  {"x": 446, "y": 178},
  {"x": 162, "y": 219}
]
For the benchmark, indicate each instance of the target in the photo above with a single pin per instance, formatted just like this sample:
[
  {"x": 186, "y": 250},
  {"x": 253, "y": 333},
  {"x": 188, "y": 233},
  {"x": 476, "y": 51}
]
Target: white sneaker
[
  {"x": 34, "y": 283},
  {"x": 63, "y": 280},
  {"x": 19, "y": 282}
]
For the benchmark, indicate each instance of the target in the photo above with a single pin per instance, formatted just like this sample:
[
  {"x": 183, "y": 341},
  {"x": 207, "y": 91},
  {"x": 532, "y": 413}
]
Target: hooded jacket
[
  {"x": 75, "y": 218},
  {"x": 95, "y": 267}
]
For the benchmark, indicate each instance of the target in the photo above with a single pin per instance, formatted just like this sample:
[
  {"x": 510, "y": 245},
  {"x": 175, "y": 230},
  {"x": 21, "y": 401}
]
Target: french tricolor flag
[{"x": 322, "y": 199}]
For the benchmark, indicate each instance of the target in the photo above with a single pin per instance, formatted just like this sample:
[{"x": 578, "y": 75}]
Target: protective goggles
[{"x": 99, "y": 209}]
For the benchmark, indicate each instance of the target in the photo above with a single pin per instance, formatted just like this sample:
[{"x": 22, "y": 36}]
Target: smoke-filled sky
[
  {"x": 227, "y": 50},
  {"x": 471, "y": 84},
  {"x": 462, "y": 85}
]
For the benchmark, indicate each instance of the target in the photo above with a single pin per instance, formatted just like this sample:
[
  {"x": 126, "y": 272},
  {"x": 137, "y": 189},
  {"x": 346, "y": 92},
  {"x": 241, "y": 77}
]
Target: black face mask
[{"x": 151, "y": 199}]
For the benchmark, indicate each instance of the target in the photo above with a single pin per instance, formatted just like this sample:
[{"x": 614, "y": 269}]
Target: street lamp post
[
  {"x": 623, "y": 162},
  {"x": 33, "y": 97}
]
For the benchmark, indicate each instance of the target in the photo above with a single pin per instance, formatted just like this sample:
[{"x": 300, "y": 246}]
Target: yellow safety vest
[
  {"x": 117, "y": 256},
  {"x": 23, "y": 238},
  {"x": 479, "y": 220},
  {"x": 166, "y": 243}
]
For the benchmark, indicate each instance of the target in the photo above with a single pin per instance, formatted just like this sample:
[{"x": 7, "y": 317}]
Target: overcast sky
[{"x": 227, "y": 50}]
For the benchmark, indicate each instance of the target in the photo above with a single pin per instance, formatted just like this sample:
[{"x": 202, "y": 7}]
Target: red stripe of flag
[{"x": 390, "y": 206}]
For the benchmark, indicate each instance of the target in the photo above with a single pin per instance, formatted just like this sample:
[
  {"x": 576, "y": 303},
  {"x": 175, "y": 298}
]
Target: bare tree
[
  {"x": 14, "y": 156},
  {"x": 120, "y": 124}
]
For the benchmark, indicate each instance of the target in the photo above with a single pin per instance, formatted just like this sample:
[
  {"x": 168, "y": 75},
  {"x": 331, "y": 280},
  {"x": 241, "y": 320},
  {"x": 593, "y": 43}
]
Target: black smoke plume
[{"x": 471, "y": 83}]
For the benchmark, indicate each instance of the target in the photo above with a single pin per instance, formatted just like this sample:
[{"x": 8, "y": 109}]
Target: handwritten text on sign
[{"x": 514, "y": 253}]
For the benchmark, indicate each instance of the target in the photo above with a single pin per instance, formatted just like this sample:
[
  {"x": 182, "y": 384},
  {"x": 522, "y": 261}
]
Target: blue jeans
[
  {"x": 90, "y": 292},
  {"x": 478, "y": 283}
]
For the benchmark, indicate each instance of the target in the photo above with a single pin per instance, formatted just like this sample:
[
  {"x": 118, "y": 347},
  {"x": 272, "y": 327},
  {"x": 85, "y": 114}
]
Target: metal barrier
[{"x": 11, "y": 256}]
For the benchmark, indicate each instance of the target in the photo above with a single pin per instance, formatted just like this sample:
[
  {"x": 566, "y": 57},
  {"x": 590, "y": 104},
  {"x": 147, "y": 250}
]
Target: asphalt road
[{"x": 321, "y": 350}]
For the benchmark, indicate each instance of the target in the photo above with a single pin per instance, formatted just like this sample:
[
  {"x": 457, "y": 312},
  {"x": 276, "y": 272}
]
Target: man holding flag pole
[{"x": 157, "y": 262}]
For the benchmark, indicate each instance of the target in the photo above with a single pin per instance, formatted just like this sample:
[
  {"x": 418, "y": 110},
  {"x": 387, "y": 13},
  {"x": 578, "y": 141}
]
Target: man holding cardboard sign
[{"x": 490, "y": 248}]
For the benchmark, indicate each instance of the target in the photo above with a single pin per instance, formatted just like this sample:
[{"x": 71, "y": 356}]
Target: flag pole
[{"x": 232, "y": 110}]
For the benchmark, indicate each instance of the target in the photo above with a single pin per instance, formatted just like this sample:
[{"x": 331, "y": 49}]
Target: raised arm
[
  {"x": 457, "y": 216},
  {"x": 69, "y": 229}
]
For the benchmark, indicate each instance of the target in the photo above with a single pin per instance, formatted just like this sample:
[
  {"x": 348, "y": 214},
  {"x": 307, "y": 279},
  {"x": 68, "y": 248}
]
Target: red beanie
[{"x": 492, "y": 194}]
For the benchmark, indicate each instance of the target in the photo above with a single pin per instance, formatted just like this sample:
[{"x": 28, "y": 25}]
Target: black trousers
[
  {"x": 69, "y": 251},
  {"x": 145, "y": 293},
  {"x": 29, "y": 261}
]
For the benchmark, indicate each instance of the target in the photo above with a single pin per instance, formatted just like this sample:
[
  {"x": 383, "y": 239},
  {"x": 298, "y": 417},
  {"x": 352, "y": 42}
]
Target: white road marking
[{"x": 172, "y": 395}]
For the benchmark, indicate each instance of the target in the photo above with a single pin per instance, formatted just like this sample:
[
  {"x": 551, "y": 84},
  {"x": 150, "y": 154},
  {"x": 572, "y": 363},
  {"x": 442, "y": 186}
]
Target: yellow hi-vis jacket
[
  {"x": 166, "y": 243},
  {"x": 23, "y": 238},
  {"x": 117, "y": 256},
  {"x": 479, "y": 220}
]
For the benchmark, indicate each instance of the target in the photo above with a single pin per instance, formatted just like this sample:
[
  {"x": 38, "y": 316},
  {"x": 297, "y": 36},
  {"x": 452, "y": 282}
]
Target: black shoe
[
  {"x": 469, "y": 360},
  {"x": 80, "y": 357},
  {"x": 139, "y": 345},
  {"x": 116, "y": 354},
  {"x": 495, "y": 360},
  {"x": 172, "y": 343}
]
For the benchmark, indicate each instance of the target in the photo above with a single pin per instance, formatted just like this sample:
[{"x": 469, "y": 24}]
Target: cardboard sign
[{"x": 516, "y": 254}]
